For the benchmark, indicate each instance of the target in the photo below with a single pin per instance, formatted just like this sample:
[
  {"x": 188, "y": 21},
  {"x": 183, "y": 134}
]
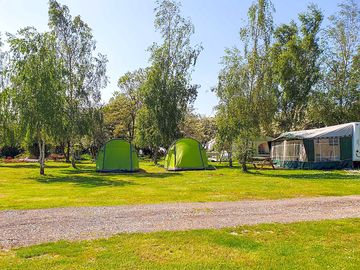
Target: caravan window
[{"x": 327, "y": 149}]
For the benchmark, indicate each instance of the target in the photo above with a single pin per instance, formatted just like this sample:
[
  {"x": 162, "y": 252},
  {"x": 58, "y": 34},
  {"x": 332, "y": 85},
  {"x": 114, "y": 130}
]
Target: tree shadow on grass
[
  {"x": 318, "y": 176},
  {"x": 83, "y": 181},
  {"x": 236, "y": 166},
  {"x": 32, "y": 166},
  {"x": 138, "y": 174},
  {"x": 145, "y": 174}
]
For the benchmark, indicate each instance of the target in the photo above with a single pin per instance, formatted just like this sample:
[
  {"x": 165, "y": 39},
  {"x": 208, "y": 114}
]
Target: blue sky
[{"x": 124, "y": 30}]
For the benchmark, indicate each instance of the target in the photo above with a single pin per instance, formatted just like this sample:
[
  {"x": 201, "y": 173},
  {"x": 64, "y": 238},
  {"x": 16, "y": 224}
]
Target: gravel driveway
[{"x": 28, "y": 227}]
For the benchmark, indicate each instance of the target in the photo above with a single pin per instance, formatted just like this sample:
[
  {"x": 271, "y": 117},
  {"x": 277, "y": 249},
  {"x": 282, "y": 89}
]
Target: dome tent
[
  {"x": 186, "y": 154},
  {"x": 117, "y": 155}
]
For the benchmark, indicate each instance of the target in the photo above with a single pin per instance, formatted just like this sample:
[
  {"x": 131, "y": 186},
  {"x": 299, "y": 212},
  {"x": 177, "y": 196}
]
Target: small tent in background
[
  {"x": 186, "y": 154},
  {"x": 117, "y": 155},
  {"x": 334, "y": 147}
]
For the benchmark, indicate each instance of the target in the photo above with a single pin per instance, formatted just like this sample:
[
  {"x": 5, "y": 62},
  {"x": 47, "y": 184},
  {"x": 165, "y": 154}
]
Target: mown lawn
[
  {"x": 308, "y": 245},
  {"x": 21, "y": 186}
]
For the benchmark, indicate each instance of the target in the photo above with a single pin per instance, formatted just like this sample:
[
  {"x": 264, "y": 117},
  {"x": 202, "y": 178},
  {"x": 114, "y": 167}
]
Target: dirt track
[{"x": 28, "y": 227}]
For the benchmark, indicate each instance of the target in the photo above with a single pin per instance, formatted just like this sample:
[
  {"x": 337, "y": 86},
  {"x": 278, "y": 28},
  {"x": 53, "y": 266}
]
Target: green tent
[
  {"x": 186, "y": 154},
  {"x": 117, "y": 155}
]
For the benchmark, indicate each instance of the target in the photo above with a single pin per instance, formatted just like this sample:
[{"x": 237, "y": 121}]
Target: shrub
[{"x": 10, "y": 151}]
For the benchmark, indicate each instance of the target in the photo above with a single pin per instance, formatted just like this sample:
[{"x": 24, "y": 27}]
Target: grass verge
[{"x": 306, "y": 245}]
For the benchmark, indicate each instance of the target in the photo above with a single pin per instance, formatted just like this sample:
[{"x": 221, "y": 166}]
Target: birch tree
[
  {"x": 338, "y": 97},
  {"x": 168, "y": 90},
  {"x": 245, "y": 87},
  {"x": 36, "y": 85},
  {"x": 295, "y": 57},
  {"x": 85, "y": 72}
]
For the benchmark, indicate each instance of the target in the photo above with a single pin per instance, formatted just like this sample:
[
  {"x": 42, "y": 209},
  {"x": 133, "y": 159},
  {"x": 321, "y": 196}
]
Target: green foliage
[
  {"x": 199, "y": 127},
  {"x": 295, "y": 56},
  {"x": 266, "y": 87},
  {"x": 30, "y": 143},
  {"x": 8, "y": 126},
  {"x": 228, "y": 110},
  {"x": 148, "y": 134},
  {"x": 337, "y": 99},
  {"x": 84, "y": 73},
  {"x": 74, "y": 118},
  {"x": 256, "y": 37},
  {"x": 36, "y": 82},
  {"x": 168, "y": 90},
  {"x": 226, "y": 130},
  {"x": 245, "y": 88},
  {"x": 10, "y": 151},
  {"x": 9, "y": 132},
  {"x": 97, "y": 134},
  {"x": 119, "y": 118},
  {"x": 122, "y": 110},
  {"x": 2, "y": 67}
]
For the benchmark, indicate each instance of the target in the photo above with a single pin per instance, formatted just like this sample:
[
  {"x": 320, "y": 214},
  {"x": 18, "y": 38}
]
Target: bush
[{"x": 10, "y": 151}]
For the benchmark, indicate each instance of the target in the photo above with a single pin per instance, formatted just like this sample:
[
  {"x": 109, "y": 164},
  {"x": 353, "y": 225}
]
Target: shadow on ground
[
  {"x": 33, "y": 165},
  {"x": 314, "y": 175},
  {"x": 90, "y": 178},
  {"x": 139, "y": 174},
  {"x": 83, "y": 181},
  {"x": 326, "y": 175}
]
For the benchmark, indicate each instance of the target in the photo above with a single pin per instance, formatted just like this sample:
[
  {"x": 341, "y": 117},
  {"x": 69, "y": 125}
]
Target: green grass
[
  {"x": 21, "y": 186},
  {"x": 308, "y": 245}
]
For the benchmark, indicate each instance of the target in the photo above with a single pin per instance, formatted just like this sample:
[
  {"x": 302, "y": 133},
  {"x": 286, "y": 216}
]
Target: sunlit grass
[
  {"x": 308, "y": 245},
  {"x": 21, "y": 186}
]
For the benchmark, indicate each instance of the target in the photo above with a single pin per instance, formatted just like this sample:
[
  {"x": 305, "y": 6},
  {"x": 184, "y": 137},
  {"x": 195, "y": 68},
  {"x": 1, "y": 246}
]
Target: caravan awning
[{"x": 343, "y": 130}]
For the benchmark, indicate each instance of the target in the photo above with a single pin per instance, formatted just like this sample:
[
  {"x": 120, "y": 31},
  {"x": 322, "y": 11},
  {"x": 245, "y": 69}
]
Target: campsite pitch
[{"x": 21, "y": 187}]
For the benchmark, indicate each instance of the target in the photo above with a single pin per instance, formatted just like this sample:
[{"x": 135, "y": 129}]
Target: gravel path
[{"x": 28, "y": 227}]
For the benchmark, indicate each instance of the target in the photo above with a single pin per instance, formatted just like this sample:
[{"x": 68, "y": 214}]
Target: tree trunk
[
  {"x": 67, "y": 153},
  {"x": 244, "y": 167},
  {"x": 230, "y": 159},
  {"x": 93, "y": 151},
  {"x": 73, "y": 164},
  {"x": 62, "y": 148},
  {"x": 155, "y": 156},
  {"x": 244, "y": 159},
  {"x": 42, "y": 156},
  {"x": 132, "y": 136}
]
